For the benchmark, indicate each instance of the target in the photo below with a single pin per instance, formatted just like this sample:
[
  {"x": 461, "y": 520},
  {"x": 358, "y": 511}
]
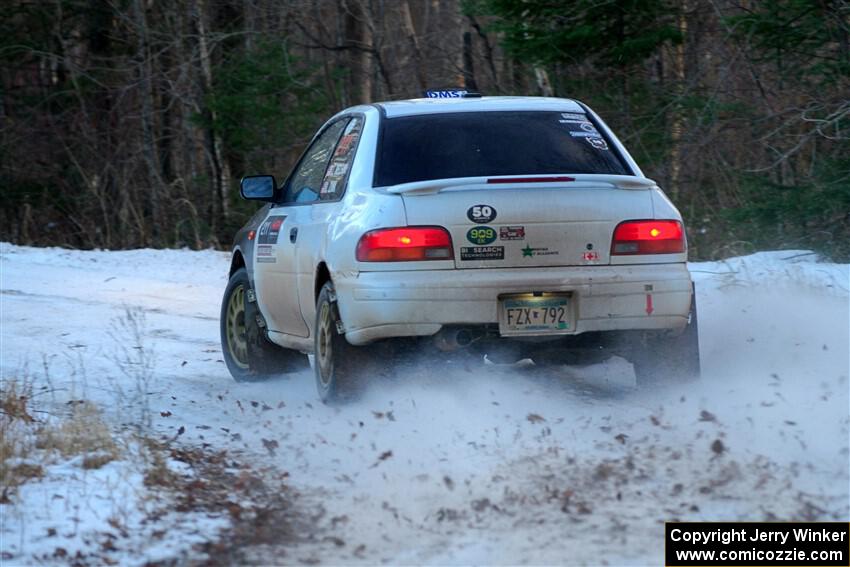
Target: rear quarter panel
[{"x": 334, "y": 229}]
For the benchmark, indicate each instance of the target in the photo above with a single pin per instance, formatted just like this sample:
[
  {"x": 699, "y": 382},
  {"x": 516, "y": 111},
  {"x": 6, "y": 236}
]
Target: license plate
[{"x": 529, "y": 314}]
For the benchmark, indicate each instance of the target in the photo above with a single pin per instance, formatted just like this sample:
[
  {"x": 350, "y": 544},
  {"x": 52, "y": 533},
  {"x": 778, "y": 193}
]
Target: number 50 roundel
[{"x": 481, "y": 213}]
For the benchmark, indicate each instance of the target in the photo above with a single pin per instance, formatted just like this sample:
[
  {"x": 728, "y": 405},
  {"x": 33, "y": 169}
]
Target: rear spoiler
[{"x": 521, "y": 181}]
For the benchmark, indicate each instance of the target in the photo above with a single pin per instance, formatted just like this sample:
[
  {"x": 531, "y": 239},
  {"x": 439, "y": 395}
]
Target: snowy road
[{"x": 480, "y": 464}]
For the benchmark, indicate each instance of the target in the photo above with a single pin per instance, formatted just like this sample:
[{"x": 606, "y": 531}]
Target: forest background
[{"x": 128, "y": 123}]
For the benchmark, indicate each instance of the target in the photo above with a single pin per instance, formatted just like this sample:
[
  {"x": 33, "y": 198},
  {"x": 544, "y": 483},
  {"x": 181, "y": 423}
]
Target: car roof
[{"x": 416, "y": 106}]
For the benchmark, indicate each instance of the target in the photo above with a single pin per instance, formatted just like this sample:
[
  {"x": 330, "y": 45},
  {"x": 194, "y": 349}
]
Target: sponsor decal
[
  {"x": 265, "y": 254},
  {"x": 511, "y": 233},
  {"x": 264, "y": 250},
  {"x": 481, "y": 214},
  {"x": 598, "y": 143},
  {"x": 481, "y": 235},
  {"x": 587, "y": 131},
  {"x": 446, "y": 93},
  {"x": 345, "y": 144},
  {"x": 338, "y": 168},
  {"x": 482, "y": 252},
  {"x": 333, "y": 183},
  {"x": 270, "y": 230},
  {"x": 529, "y": 252},
  {"x": 348, "y": 141},
  {"x": 573, "y": 116}
]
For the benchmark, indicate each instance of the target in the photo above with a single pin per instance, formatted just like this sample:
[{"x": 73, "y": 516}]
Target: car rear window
[{"x": 472, "y": 144}]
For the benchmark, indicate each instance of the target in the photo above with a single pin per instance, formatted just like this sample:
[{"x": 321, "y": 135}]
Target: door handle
[{"x": 293, "y": 235}]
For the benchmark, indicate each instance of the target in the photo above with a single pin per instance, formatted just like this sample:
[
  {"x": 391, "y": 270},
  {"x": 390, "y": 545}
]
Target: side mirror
[{"x": 258, "y": 187}]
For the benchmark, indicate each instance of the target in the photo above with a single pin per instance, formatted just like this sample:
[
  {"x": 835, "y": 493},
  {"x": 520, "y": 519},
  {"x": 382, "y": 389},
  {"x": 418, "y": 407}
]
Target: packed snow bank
[
  {"x": 771, "y": 271},
  {"x": 474, "y": 463}
]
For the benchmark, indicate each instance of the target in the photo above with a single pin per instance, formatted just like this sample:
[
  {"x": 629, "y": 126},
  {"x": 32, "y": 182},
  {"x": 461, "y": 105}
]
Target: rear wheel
[
  {"x": 248, "y": 354},
  {"x": 338, "y": 365},
  {"x": 659, "y": 359}
]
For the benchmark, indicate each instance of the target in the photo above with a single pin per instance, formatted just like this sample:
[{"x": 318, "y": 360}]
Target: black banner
[{"x": 756, "y": 543}]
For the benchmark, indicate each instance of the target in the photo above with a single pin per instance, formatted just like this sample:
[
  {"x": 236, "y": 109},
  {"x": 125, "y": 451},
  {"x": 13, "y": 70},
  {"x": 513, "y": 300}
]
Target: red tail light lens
[
  {"x": 413, "y": 243},
  {"x": 648, "y": 237}
]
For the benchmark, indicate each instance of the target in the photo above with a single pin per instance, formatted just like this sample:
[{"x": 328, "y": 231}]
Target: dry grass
[
  {"x": 28, "y": 444},
  {"x": 82, "y": 432},
  {"x": 14, "y": 398},
  {"x": 157, "y": 473},
  {"x": 16, "y": 438}
]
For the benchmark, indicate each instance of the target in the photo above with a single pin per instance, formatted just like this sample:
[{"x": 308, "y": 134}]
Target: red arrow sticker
[{"x": 649, "y": 308}]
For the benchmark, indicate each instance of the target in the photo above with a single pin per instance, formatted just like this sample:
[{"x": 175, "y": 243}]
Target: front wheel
[
  {"x": 659, "y": 359},
  {"x": 248, "y": 354},
  {"x": 338, "y": 365}
]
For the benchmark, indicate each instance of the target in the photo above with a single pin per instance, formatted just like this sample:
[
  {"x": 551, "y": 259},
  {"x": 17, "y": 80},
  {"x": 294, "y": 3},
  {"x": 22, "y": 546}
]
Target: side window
[
  {"x": 306, "y": 181},
  {"x": 336, "y": 175}
]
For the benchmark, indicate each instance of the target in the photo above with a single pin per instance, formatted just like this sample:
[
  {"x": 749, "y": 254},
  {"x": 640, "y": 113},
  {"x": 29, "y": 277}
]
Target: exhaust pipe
[{"x": 448, "y": 340}]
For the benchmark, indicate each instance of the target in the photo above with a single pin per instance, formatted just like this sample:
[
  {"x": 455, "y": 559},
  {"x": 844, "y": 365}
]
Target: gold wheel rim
[
  {"x": 237, "y": 340},
  {"x": 324, "y": 353}
]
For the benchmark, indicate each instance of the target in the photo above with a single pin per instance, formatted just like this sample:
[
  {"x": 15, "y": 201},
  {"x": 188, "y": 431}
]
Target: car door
[{"x": 275, "y": 266}]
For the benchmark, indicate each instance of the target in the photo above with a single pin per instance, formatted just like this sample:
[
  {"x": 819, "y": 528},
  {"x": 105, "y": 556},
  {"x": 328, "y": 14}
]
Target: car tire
[
  {"x": 338, "y": 365},
  {"x": 664, "y": 359},
  {"x": 248, "y": 354}
]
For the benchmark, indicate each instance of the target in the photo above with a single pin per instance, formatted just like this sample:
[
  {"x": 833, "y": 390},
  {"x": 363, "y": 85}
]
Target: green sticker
[{"x": 481, "y": 235}]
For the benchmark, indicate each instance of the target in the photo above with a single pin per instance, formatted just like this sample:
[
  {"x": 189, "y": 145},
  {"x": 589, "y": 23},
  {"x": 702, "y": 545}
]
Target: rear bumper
[{"x": 378, "y": 305}]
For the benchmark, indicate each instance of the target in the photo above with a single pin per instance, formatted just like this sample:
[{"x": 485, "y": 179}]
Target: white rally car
[{"x": 507, "y": 226}]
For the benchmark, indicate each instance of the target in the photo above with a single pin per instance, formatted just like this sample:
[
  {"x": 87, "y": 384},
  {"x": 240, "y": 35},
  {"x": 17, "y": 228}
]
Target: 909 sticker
[{"x": 481, "y": 235}]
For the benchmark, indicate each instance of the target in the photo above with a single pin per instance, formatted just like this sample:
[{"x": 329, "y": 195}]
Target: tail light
[
  {"x": 406, "y": 244},
  {"x": 648, "y": 237}
]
